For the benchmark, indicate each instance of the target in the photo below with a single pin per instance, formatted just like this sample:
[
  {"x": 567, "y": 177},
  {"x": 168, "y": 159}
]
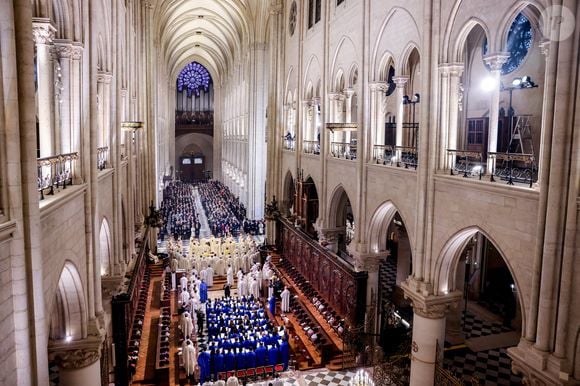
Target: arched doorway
[
  {"x": 343, "y": 221},
  {"x": 288, "y": 195},
  {"x": 489, "y": 318},
  {"x": 388, "y": 237}
]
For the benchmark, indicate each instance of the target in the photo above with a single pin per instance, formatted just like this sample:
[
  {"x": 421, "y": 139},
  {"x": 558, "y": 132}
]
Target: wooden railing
[{"x": 55, "y": 172}]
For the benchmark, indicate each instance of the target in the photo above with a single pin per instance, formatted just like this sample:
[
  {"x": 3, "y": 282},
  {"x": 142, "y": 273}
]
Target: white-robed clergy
[
  {"x": 285, "y": 300},
  {"x": 189, "y": 358},
  {"x": 183, "y": 282},
  {"x": 230, "y": 275},
  {"x": 209, "y": 275},
  {"x": 255, "y": 289},
  {"x": 184, "y": 296}
]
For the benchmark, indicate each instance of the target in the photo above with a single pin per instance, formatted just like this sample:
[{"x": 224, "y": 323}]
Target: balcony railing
[
  {"x": 384, "y": 154},
  {"x": 311, "y": 147},
  {"x": 408, "y": 156},
  {"x": 102, "y": 157},
  {"x": 289, "y": 144},
  {"x": 55, "y": 172},
  {"x": 343, "y": 150},
  {"x": 514, "y": 167},
  {"x": 466, "y": 162}
]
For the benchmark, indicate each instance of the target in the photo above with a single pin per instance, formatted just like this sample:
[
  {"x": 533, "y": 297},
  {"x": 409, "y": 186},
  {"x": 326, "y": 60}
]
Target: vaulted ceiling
[{"x": 212, "y": 32}]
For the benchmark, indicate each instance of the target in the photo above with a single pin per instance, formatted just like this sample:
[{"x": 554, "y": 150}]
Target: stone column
[
  {"x": 64, "y": 53},
  {"x": 43, "y": 33},
  {"x": 377, "y": 91},
  {"x": 428, "y": 330},
  {"x": 400, "y": 81},
  {"x": 305, "y": 127},
  {"x": 78, "y": 362},
  {"x": 495, "y": 62},
  {"x": 75, "y": 105},
  {"x": 455, "y": 72},
  {"x": 370, "y": 263},
  {"x": 348, "y": 94}
]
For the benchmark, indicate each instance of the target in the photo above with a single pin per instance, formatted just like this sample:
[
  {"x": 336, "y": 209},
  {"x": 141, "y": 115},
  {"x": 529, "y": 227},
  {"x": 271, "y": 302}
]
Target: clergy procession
[{"x": 230, "y": 326}]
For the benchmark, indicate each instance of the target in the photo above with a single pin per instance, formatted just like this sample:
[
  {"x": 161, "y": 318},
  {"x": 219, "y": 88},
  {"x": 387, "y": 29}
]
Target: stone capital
[
  {"x": 349, "y": 92},
  {"x": 63, "y": 49},
  {"x": 104, "y": 77},
  {"x": 378, "y": 86},
  {"x": 336, "y": 96},
  {"x": 76, "y": 354},
  {"x": 451, "y": 69},
  {"x": 426, "y": 304},
  {"x": 369, "y": 262},
  {"x": 77, "y": 51},
  {"x": 497, "y": 60},
  {"x": 43, "y": 32},
  {"x": 400, "y": 80},
  {"x": 545, "y": 47},
  {"x": 276, "y": 8}
]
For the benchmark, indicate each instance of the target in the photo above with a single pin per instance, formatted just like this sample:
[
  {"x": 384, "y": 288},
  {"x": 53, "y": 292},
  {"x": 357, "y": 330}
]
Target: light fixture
[
  {"x": 361, "y": 378},
  {"x": 68, "y": 338},
  {"x": 407, "y": 100},
  {"x": 476, "y": 169},
  {"x": 516, "y": 82},
  {"x": 489, "y": 84}
]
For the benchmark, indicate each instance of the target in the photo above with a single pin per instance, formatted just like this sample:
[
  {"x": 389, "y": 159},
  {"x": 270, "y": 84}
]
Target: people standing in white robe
[
  {"x": 203, "y": 275},
  {"x": 285, "y": 300},
  {"x": 240, "y": 276},
  {"x": 255, "y": 289},
  {"x": 189, "y": 359},
  {"x": 210, "y": 273},
  {"x": 183, "y": 282},
  {"x": 184, "y": 297},
  {"x": 242, "y": 287},
  {"x": 230, "y": 275}
]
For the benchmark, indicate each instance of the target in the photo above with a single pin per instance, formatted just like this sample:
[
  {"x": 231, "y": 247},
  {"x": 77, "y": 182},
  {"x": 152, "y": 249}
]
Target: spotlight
[
  {"x": 394, "y": 158},
  {"x": 416, "y": 98},
  {"x": 406, "y": 100},
  {"x": 516, "y": 82},
  {"x": 68, "y": 338},
  {"x": 476, "y": 169},
  {"x": 489, "y": 84}
]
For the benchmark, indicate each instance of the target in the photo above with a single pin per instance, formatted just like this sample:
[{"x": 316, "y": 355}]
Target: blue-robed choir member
[
  {"x": 203, "y": 292},
  {"x": 285, "y": 353},
  {"x": 203, "y": 361},
  {"x": 229, "y": 361},
  {"x": 272, "y": 305},
  {"x": 272, "y": 355}
]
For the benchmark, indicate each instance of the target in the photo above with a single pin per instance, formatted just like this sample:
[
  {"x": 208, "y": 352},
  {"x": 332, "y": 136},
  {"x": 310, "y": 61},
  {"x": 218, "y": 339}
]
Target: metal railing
[
  {"x": 289, "y": 144},
  {"x": 55, "y": 172},
  {"x": 466, "y": 162},
  {"x": 515, "y": 167},
  {"x": 408, "y": 156},
  {"x": 384, "y": 154},
  {"x": 343, "y": 150},
  {"x": 102, "y": 157},
  {"x": 311, "y": 147}
]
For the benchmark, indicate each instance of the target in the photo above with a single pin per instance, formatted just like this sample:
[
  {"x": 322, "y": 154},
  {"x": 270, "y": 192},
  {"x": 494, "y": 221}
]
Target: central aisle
[{"x": 204, "y": 231}]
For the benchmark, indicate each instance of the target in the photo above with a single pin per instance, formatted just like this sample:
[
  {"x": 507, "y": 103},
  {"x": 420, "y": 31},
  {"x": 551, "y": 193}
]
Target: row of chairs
[
  {"x": 137, "y": 329},
  {"x": 252, "y": 374},
  {"x": 163, "y": 338},
  {"x": 328, "y": 313}
]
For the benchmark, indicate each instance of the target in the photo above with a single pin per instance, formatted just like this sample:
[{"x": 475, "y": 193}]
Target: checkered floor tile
[
  {"x": 388, "y": 276},
  {"x": 329, "y": 378},
  {"x": 492, "y": 367},
  {"x": 475, "y": 327}
]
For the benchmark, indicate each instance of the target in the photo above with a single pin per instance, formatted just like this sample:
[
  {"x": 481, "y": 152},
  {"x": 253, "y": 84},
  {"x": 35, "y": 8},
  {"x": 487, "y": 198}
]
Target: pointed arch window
[{"x": 519, "y": 41}]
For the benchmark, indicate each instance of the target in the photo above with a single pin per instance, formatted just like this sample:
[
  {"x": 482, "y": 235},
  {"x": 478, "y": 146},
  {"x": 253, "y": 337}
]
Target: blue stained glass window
[
  {"x": 193, "y": 78},
  {"x": 519, "y": 42}
]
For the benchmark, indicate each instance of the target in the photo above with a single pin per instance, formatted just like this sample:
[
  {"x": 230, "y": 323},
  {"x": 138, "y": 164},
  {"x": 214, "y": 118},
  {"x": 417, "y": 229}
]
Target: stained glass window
[
  {"x": 193, "y": 78},
  {"x": 519, "y": 42}
]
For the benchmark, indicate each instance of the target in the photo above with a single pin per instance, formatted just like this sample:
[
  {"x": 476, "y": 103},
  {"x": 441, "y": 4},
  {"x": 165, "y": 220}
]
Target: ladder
[{"x": 521, "y": 136}]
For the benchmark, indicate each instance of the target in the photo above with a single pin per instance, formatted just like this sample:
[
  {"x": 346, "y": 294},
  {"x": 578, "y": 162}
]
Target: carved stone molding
[
  {"x": 496, "y": 61},
  {"x": 104, "y": 77},
  {"x": 76, "y": 354},
  {"x": 77, "y": 51},
  {"x": 379, "y": 86},
  {"x": 43, "y": 33},
  {"x": 545, "y": 47},
  {"x": 400, "y": 80},
  {"x": 63, "y": 50},
  {"x": 451, "y": 69},
  {"x": 426, "y": 304}
]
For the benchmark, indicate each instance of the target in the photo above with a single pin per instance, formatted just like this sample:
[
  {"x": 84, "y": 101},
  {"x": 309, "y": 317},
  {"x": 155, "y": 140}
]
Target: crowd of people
[
  {"x": 178, "y": 211},
  {"x": 241, "y": 337},
  {"x": 225, "y": 213}
]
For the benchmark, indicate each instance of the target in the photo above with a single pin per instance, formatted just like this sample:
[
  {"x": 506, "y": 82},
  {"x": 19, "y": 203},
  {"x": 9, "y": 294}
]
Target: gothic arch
[
  {"x": 406, "y": 58},
  {"x": 531, "y": 9},
  {"x": 105, "y": 247},
  {"x": 288, "y": 192},
  {"x": 68, "y": 317},
  {"x": 339, "y": 198},
  {"x": 343, "y": 50},
  {"x": 382, "y": 70},
  {"x": 457, "y": 54},
  {"x": 379, "y": 225},
  {"x": 445, "y": 267}
]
